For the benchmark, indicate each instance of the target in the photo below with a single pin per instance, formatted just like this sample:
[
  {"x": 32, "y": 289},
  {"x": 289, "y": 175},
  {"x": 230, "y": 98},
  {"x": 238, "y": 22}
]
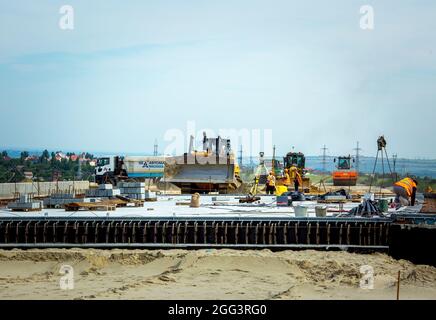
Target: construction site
[
  {"x": 217, "y": 150},
  {"x": 199, "y": 201}
]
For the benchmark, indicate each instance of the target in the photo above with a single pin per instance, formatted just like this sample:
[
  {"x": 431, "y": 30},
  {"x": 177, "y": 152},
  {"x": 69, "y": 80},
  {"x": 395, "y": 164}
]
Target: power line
[
  {"x": 324, "y": 158},
  {"x": 155, "y": 148},
  {"x": 357, "y": 149},
  {"x": 394, "y": 159},
  {"x": 240, "y": 156}
]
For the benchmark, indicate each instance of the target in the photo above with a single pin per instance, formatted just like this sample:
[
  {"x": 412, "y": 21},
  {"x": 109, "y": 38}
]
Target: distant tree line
[{"x": 46, "y": 167}]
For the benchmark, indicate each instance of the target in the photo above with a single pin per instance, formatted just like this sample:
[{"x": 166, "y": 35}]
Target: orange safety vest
[{"x": 408, "y": 184}]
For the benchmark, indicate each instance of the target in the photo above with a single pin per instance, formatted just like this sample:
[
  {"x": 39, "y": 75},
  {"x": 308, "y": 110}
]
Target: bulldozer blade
[{"x": 204, "y": 176}]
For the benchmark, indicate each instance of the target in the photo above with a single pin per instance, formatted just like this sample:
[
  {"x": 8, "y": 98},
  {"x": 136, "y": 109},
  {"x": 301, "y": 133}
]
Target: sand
[{"x": 209, "y": 274}]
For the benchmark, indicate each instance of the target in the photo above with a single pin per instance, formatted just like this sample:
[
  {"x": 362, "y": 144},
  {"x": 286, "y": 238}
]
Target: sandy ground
[{"x": 209, "y": 274}]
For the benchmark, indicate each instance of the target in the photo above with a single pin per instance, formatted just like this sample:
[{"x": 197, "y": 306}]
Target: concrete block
[
  {"x": 24, "y": 198},
  {"x": 105, "y": 186},
  {"x": 137, "y": 184},
  {"x": 28, "y": 205},
  {"x": 116, "y": 192},
  {"x": 149, "y": 195},
  {"x": 335, "y": 198}
]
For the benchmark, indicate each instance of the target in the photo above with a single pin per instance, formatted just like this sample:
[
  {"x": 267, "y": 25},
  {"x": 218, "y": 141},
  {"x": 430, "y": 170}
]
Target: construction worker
[
  {"x": 292, "y": 171},
  {"x": 296, "y": 177},
  {"x": 270, "y": 183},
  {"x": 286, "y": 178},
  {"x": 298, "y": 181},
  {"x": 405, "y": 189}
]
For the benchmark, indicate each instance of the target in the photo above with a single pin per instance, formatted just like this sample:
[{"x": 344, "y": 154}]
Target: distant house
[
  {"x": 60, "y": 155},
  {"x": 7, "y": 158},
  {"x": 74, "y": 157},
  {"x": 93, "y": 163},
  {"x": 32, "y": 158}
]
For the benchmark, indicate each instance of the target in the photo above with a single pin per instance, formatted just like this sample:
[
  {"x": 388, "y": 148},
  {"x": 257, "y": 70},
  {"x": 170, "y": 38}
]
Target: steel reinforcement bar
[{"x": 195, "y": 232}]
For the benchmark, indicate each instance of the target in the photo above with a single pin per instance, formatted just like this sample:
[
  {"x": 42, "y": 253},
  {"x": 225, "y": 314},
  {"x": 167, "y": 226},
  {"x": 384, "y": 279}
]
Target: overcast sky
[{"x": 131, "y": 70}]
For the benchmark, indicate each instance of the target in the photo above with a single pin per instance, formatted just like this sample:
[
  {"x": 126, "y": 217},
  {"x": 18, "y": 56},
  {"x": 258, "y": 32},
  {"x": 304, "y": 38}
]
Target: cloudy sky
[{"x": 130, "y": 71}]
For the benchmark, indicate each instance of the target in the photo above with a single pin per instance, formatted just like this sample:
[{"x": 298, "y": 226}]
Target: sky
[{"x": 132, "y": 72}]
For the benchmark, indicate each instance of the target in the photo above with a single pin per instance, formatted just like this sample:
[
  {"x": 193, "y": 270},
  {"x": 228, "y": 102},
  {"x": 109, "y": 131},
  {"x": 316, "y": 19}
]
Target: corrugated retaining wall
[{"x": 42, "y": 188}]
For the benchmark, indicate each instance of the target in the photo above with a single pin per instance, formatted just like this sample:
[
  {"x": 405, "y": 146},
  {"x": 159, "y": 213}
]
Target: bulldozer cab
[
  {"x": 299, "y": 160},
  {"x": 295, "y": 158}
]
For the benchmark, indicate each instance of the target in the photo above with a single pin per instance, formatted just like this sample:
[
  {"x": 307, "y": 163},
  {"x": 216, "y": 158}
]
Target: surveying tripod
[{"x": 381, "y": 147}]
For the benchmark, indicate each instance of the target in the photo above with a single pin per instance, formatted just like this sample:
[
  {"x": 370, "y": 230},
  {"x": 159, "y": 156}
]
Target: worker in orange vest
[
  {"x": 270, "y": 183},
  {"x": 296, "y": 177},
  {"x": 287, "y": 178},
  {"x": 405, "y": 189}
]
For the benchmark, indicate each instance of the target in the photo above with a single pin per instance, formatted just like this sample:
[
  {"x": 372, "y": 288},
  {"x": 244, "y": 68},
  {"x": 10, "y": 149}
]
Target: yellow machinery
[
  {"x": 212, "y": 169},
  {"x": 299, "y": 160}
]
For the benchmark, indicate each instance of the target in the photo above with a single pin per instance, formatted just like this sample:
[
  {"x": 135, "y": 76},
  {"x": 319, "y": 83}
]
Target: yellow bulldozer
[
  {"x": 212, "y": 169},
  {"x": 299, "y": 160}
]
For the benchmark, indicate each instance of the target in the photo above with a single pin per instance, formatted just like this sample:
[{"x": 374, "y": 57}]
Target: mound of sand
[{"x": 209, "y": 274}]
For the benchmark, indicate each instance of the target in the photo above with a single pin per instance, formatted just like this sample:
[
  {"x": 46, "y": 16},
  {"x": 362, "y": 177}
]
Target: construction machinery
[
  {"x": 345, "y": 175},
  {"x": 214, "y": 169},
  {"x": 299, "y": 160},
  {"x": 260, "y": 178},
  {"x": 112, "y": 169}
]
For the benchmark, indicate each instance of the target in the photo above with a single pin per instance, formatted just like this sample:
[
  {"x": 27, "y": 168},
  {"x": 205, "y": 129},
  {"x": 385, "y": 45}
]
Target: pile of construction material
[
  {"x": 103, "y": 191},
  {"x": 367, "y": 208},
  {"x": 59, "y": 200},
  {"x": 132, "y": 190},
  {"x": 25, "y": 202}
]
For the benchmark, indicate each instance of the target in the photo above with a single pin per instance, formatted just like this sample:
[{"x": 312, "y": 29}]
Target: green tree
[
  {"x": 45, "y": 154},
  {"x": 44, "y": 157},
  {"x": 23, "y": 156}
]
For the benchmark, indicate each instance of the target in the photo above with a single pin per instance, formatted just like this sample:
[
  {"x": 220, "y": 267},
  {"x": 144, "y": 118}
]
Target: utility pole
[
  {"x": 273, "y": 160},
  {"x": 357, "y": 149},
  {"x": 240, "y": 156},
  {"x": 394, "y": 159},
  {"x": 155, "y": 148},
  {"x": 324, "y": 158},
  {"x": 79, "y": 170}
]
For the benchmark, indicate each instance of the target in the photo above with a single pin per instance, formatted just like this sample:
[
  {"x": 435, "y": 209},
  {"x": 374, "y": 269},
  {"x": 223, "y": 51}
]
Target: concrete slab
[{"x": 167, "y": 206}]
